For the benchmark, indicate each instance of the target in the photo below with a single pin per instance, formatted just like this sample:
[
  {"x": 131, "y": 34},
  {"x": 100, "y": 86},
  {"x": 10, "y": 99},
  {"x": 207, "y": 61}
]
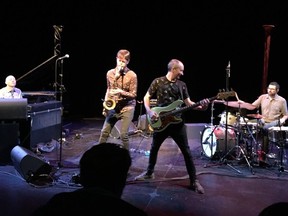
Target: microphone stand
[
  {"x": 226, "y": 152},
  {"x": 223, "y": 158},
  {"x": 61, "y": 90},
  {"x": 226, "y": 124},
  {"x": 40, "y": 65}
]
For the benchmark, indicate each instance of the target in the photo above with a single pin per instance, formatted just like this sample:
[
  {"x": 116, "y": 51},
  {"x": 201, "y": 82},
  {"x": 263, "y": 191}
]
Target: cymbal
[
  {"x": 256, "y": 116},
  {"x": 240, "y": 105}
]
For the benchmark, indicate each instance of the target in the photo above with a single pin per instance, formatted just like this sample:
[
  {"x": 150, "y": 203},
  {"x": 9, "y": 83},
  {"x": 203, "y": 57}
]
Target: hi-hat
[{"x": 256, "y": 116}]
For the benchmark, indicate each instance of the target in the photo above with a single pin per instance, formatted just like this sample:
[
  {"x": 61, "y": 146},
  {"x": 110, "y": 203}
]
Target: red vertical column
[{"x": 267, "y": 29}]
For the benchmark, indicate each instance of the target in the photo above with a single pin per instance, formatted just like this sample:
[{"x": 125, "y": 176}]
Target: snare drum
[{"x": 249, "y": 127}]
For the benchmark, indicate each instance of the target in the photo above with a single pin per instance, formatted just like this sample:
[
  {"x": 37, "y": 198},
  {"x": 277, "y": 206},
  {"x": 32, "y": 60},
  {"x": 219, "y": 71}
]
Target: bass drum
[{"x": 213, "y": 141}]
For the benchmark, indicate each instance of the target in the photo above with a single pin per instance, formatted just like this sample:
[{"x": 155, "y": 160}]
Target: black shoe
[
  {"x": 144, "y": 176},
  {"x": 197, "y": 187}
]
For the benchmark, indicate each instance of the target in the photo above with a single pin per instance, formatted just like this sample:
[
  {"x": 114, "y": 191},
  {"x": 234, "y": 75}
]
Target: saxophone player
[{"x": 120, "y": 98}]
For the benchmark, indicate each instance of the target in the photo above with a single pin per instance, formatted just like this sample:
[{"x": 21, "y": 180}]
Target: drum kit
[{"x": 235, "y": 136}]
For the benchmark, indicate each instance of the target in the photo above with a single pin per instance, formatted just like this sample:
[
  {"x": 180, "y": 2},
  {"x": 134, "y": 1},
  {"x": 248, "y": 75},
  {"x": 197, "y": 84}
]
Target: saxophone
[{"x": 110, "y": 103}]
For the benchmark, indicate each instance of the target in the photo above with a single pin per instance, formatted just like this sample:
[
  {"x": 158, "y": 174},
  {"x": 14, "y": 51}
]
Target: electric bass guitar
[{"x": 168, "y": 115}]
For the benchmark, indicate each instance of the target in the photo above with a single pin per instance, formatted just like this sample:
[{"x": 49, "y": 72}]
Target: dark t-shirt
[{"x": 166, "y": 91}]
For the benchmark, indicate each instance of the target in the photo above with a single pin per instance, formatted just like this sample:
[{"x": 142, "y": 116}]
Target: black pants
[{"x": 178, "y": 133}]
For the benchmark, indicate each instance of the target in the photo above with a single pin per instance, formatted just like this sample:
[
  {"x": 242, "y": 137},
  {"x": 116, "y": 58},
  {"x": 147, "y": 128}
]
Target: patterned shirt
[
  {"x": 127, "y": 82},
  {"x": 166, "y": 91}
]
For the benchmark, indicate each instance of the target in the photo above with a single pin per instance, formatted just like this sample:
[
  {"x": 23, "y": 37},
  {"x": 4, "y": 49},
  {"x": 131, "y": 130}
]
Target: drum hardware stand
[
  {"x": 139, "y": 130},
  {"x": 239, "y": 148},
  {"x": 139, "y": 117},
  {"x": 210, "y": 136},
  {"x": 211, "y": 124},
  {"x": 147, "y": 153},
  {"x": 281, "y": 144},
  {"x": 211, "y": 133},
  {"x": 253, "y": 138}
]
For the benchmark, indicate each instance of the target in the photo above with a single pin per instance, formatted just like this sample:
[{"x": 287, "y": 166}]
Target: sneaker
[
  {"x": 197, "y": 187},
  {"x": 144, "y": 176}
]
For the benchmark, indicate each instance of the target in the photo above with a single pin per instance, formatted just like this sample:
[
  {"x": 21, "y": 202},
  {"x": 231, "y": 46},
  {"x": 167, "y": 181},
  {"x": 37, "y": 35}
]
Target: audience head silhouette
[
  {"x": 105, "y": 165},
  {"x": 275, "y": 209},
  {"x": 103, "y": 173}
]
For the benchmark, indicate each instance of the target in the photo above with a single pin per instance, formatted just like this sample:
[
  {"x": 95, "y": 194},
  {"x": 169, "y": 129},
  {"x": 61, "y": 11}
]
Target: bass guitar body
[{"x": 163, "y": 120}]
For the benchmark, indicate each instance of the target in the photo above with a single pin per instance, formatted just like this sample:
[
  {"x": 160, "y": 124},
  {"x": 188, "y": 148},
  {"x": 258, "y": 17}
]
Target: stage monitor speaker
[
  {"x": 43, "y": 124},
  {"x": 115, "y": 132},
  {"x": 28, "y": 165}
]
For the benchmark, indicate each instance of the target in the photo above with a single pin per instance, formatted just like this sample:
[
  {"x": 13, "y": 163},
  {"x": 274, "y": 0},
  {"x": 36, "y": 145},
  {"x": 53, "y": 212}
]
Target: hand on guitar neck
[{"x": 160, "y": 118}]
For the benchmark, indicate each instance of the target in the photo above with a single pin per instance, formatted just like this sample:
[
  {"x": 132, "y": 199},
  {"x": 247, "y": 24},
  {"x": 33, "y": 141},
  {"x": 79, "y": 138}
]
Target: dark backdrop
[{"x": 205, "y": 35}]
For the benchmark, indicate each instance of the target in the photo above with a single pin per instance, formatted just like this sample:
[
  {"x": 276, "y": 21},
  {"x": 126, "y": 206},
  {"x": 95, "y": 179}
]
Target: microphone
[
  {"x": 120, "y": 73},
  {"x": 228, "y": 69},
  {"x": 228, "y": 66},
  {"x": 63, "y": 57},
  {"x": 121, "y": 70}
]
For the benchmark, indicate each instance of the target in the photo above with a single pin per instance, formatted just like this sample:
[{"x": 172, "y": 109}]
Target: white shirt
[{"x": 8, "y": 93}]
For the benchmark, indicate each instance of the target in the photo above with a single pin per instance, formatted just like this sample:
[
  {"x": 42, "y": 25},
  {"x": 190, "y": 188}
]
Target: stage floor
[{"x": 232, "y": 186}]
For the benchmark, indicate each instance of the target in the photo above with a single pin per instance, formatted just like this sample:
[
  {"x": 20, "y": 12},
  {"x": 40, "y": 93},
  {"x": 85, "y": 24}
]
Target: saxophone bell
[{"x": 109, "y": 104}]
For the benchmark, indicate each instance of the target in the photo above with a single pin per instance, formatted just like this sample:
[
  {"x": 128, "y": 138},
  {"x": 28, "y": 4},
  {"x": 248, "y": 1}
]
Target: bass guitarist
[{"x": 169, "y": 89}]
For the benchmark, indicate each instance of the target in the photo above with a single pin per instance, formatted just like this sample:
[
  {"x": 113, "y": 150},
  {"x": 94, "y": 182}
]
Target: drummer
[{"x": 273, "y": 111}]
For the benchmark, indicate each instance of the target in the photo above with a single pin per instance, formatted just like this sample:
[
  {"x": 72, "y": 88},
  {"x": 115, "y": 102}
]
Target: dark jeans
[
  {"x": 112, "y": 117},
  {"x": 178, "y": 133}
]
